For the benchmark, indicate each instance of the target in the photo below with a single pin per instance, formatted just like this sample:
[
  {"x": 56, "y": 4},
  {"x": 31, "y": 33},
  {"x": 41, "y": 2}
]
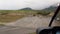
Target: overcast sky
[{"x": 18, "y": 4}]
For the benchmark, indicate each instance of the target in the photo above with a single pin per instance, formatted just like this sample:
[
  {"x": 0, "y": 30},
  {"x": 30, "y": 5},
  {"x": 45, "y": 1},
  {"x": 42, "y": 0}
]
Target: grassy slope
[{"x": 13, "y": 15}]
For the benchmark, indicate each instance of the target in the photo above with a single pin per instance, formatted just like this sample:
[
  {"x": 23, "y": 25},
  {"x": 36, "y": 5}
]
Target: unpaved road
[
  {"x": 15, "y": 30},
  {"x": 31, "y": 22},
  {"x": 25, "y": 25}
]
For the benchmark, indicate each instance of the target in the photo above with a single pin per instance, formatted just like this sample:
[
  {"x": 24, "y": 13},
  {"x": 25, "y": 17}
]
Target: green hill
[{"x": 26, "y": 8}]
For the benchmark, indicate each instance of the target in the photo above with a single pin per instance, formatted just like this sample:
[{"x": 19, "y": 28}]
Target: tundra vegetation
[{"x": 7, "y": 16}]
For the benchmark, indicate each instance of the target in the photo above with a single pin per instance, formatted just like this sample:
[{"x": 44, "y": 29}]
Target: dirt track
[
  {"x": 31, "y": 22},
  {"x": 25, "y": 25},
  {"x": 15, "y": 30}
]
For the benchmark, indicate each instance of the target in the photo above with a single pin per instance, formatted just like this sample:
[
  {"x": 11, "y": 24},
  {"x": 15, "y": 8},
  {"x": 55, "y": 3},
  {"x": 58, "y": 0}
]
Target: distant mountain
[
  {"x": 51, "y": 8},
  {"x": 26, "y": 8}
]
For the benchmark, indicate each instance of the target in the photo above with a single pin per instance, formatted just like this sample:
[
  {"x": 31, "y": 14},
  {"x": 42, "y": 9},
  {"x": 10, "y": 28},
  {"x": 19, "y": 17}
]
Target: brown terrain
[{"x": 25, "y": 25}]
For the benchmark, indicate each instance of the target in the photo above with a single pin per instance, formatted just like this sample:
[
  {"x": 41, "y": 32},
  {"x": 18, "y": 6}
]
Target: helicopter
[{"x": 50, "y": 29}]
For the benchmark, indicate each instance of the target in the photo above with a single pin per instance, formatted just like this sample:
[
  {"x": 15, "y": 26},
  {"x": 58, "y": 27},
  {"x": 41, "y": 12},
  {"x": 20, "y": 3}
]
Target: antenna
[{"x": 56, "y": 12}]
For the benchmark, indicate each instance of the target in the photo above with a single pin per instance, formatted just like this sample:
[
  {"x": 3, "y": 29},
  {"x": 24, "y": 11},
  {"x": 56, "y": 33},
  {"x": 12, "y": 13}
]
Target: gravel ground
[
  {"x": 25, "y": 25},
  {"x": 31, "y": 22},
  {"x": 15, "y": 30}
]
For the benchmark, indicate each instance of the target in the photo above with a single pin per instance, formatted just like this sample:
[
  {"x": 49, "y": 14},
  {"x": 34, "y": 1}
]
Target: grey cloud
[{"x": 18, "y": 4}]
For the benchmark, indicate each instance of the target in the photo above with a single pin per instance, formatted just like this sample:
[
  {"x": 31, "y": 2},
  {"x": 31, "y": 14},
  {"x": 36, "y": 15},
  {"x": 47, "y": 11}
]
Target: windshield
[
  {"x": 58, "y": 32},
  {"x": 25, "y": 18}
]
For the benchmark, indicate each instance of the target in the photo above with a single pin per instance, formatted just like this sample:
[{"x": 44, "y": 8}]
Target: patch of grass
[
  {"x": 2, "y": 25},
  {"x": 10, "y": 18},
  {"x": 43, "y": 13},
  {"x": 33, "y": 33}
]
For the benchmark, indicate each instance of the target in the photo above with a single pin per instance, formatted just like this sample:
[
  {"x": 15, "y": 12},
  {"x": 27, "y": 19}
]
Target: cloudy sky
[{"x": 18, "y": 4}]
